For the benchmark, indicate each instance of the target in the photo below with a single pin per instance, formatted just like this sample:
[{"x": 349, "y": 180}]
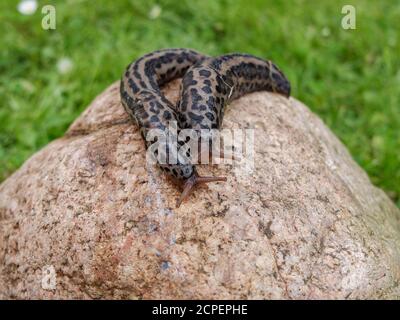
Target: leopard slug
[{"x": 208, "y": 85}]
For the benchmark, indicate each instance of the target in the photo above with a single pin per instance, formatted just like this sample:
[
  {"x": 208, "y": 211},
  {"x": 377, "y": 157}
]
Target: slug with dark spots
[{"x": 208, "y": 85}]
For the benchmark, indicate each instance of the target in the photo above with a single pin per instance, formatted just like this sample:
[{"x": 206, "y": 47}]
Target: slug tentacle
[{"x": 193, "y": 181}]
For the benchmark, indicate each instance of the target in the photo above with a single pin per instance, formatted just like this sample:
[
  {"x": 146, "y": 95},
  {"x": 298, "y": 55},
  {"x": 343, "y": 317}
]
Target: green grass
[{"x": 351, "y": 78}]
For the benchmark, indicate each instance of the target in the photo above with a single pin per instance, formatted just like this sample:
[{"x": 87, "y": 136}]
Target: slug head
[
  {"x": 188, "y": 174},
  {"x": 178, "y": 171}
]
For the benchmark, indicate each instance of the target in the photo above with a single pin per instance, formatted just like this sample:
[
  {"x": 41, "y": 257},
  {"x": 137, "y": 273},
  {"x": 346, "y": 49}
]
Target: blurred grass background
[{"x": 350, "y": 78}]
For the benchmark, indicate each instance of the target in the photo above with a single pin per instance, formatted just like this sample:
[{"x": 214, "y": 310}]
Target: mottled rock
[{"x": 85, "y": 218}]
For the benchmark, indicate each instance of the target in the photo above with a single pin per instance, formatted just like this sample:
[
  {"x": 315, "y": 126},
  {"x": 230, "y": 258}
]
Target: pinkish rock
[{"x": 83, "y": 218}]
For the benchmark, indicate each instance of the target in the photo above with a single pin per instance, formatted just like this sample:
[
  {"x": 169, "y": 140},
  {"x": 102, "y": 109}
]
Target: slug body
[
  {"x": 213, "y": 83},
  {"x": 143, "y": 100},
  {"x": 208, "y": 85}
]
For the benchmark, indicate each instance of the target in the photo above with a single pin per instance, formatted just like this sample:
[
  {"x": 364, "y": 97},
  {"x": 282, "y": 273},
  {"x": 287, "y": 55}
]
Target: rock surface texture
[{"x": 84, "y": 217}]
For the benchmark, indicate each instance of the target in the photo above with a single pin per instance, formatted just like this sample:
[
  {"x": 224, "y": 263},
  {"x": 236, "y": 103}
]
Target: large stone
[{"x": 307, "y": 223}]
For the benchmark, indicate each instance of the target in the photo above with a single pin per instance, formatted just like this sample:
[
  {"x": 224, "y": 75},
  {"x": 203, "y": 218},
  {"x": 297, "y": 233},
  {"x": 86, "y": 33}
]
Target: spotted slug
[{"x": 208, "y": 85}]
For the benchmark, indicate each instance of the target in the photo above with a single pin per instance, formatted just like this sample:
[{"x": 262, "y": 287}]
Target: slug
[{"x": 208, "y": 85}]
